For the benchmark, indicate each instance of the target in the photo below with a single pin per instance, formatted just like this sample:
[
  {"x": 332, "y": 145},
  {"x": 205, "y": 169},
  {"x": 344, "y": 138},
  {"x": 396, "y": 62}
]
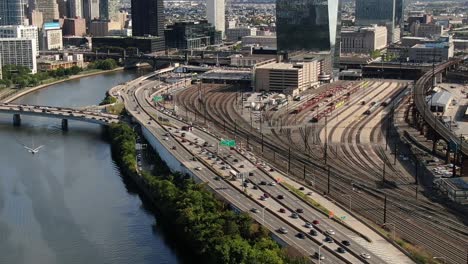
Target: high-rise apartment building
[
  {"x": 20, "y": 31},
  {"x": 148, "y": 18},
  {"x": 215, "y": 14},
  {"x": 19, "y": 51},
  {"x": 75, "y": 8},
  {"x": 381, "y": 12},
  {"x": 90, "y": 9},
  {"x": 12, "y": 12},
  {"x": 308, "y": 25},
  {"x": 49, "y": 9}
]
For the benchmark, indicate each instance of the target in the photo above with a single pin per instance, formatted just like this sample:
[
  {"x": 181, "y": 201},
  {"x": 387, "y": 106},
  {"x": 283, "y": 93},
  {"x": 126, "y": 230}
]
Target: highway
[
  {"x": 139, "y": 108},
  {"x": 289, "y": 201}
]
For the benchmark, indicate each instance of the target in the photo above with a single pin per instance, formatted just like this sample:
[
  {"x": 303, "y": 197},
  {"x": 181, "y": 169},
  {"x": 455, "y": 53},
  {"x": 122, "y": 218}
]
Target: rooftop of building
[{"x": 439, "y": 45}]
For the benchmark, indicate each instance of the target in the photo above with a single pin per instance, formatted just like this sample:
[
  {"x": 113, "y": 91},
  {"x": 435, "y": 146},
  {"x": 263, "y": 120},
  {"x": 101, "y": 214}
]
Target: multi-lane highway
[{"x": 282, "y": 205}]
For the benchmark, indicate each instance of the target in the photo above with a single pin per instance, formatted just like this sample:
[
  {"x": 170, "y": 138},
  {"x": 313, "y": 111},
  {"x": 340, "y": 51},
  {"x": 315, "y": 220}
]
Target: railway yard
[{"x": 337, "y": 140}]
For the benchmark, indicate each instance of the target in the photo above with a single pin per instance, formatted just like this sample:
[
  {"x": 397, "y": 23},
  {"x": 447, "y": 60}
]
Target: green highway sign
[
  {"x": 157, "y": 98},
  {"x": 228, "y": 143},
  {"x": 343, "y": 218}
]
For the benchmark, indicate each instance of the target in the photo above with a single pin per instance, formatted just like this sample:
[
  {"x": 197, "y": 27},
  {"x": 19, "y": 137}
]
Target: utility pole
[
  {"x": 262, "y": 143},
  {"x": 383, "y": 173},
  {"x": 385, "y": 210},
  {"x": 326, "y": 140},
  {"x": 304, "y": 171}
]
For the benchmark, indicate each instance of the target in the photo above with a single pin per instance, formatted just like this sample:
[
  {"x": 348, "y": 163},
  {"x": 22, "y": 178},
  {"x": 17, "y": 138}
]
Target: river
[{"x": 69, "y": 203}]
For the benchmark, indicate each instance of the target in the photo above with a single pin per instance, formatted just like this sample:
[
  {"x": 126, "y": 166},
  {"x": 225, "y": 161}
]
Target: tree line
[{"x": 20, "y": 76}]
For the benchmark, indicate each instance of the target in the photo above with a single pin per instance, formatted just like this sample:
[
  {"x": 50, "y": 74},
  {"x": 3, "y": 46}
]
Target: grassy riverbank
[{"x": 203, "y": 225}]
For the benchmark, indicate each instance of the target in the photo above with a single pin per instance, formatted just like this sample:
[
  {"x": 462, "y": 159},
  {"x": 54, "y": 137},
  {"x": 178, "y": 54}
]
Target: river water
[{"x": 69, "y": 203}]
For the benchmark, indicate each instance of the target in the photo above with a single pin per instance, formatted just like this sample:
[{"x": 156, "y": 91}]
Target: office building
[
  {"x": 381, "y": 12},
  {"x": 191, "y": 35},
  {"x": 35, "y": 18},
  {"x": 142, "y": 44},
  {"x": 363, "y": 40},
  {"x": 90, "y": 9},
  {"x": 109, "y": 9},
  {"x": 236, "y": 34},
  {"x": 62, "y": 8},
  {"x": 148, "y": 18},
  {"x": 288, "y": 77},
  {"x": 460, "y": 45},
  {"x": 74, "y": 27},
  {"x": 421, "y": 18},
  {"x": 20, "y": 31},
  {"x": 49, "y": 9},
  {"x": 101, "y": 28},
  {"x": 18, "y": 51},
  {"x": 75, "y": 8},
  {"x": 51, "y": 36},
  {"x": 438, "y": 50},
  {"x": 308, "y": 25},
  {"x": 215, "y": 10},
  {"x": 12, "y": 12},
  {"x": 262, "y": 41},
  {"x": 426, "y": 30}
]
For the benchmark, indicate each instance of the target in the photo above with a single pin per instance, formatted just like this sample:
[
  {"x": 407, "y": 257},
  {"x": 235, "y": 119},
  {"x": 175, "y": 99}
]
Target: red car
[
  {"x": 282, "y": 210},
  {"x": 315, "y": 222}
]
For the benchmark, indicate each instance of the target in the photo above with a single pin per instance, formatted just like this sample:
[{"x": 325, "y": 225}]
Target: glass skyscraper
[
  {"x": 379, "y": 12},
  {"x": 12, "y": 12},
  {"x": 308, "y": 25},
  {"x": 148, "y": 18}
]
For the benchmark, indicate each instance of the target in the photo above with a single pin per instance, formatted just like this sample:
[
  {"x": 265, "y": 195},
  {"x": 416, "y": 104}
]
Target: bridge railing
[{"x": 422, "y": 86}]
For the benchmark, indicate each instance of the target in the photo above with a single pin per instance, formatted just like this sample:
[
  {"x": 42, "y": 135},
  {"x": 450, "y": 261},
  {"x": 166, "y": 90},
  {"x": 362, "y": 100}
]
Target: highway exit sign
[
  {"x": 228, "y": 143},
  {"x": 157, "y": 98}
]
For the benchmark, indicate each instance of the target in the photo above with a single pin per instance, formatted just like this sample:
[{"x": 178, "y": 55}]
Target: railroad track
[{"x": 219, "y": 108}]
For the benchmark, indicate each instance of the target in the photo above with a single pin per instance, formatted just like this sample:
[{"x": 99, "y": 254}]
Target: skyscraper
[
  {"x": 75, "y": 8},
  {"x": 148, "y": 18},
  {"x": 381, "y": 12},
  {"x": 215, "y": 14},
  {"x": 308, "y": 25},
  {"x": 49, "y": 9},
  {"x": 12, "y": 12},
  {"x": 90, "y": 9},
  {"x": 109, "y": 9}
]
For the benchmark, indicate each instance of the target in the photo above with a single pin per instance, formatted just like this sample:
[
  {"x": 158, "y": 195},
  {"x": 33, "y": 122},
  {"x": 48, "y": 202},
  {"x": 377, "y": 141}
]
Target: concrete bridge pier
[
  {"x": 16, "y": 119},
  {"x": 65, "y": 124}
]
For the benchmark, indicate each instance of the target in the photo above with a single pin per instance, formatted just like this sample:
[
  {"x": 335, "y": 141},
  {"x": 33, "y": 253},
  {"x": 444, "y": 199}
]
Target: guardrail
[{"x": 419, "y": 92}]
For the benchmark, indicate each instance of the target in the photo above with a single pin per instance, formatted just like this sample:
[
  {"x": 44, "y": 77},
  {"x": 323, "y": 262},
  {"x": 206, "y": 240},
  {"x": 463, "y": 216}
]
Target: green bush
[{"x": 203, "y": 224}]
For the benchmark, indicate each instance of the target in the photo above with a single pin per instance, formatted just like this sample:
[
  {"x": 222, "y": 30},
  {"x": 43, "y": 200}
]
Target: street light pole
[{"x": 319, "y": 257}]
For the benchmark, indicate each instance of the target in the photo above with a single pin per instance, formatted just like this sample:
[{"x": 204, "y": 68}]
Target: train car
[
  {"x": 387, "y": 102},
  {"x": 372, "y": 109}
]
